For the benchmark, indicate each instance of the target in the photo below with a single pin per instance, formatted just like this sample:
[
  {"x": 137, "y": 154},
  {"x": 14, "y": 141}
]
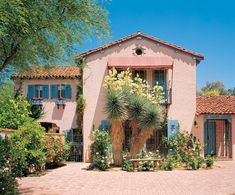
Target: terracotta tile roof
[
  {"x": 39, "y": 72},
  {"x": 215, "y": 105},
  {"x": 138, "y": 34}
]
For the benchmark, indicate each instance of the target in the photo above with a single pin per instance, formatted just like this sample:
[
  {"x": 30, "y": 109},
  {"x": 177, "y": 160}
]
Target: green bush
[
  {"x": 7, "y": 176},
  {"x": 28, "y": 142},
  {"x": 185, "y": 150},
  {"x": 168, "y": 164},
  {"x": 14, "y": 112},
  {"x": 100, "y": 149},
  {"x": 57, "y": 150},
  {"x": 126, "y": 164},
  {"x": 210, "y": 160}
]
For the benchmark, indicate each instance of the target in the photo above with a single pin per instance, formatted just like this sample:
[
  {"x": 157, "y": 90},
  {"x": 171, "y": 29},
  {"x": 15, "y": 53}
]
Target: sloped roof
[
  {"x": 139, "y": 34},
  {"x": 215, "y": 105},
  {"x": 39, "y": 72}
]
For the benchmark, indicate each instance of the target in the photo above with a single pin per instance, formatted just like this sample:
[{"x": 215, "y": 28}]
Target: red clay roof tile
[
  {"x": 40, "y": 72},
  {"x": 215, "y": 105}
]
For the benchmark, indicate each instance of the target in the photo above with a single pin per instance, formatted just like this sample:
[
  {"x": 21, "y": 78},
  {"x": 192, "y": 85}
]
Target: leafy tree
[
  {"x": 37, "y": 32},
  {"x": 213, "y": 88},
  {"x": 210, "y": 93},
  {"x": 7, "y": 91},
  {"x": 231, "y": 91}
]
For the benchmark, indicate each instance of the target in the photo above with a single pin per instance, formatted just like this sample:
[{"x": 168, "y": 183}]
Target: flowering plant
[
  {"x": 100, "y": 149},
  {"x": 117, "y": 81},
  {"x": 57, "y": 150}
]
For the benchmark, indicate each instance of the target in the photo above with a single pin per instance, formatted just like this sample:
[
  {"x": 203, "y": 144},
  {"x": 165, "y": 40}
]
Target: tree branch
[{"x": 7, "y": 60}]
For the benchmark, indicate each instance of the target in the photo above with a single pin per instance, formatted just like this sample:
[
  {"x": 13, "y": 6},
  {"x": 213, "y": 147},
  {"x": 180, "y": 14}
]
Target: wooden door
[{"x": 210, "y": 138}]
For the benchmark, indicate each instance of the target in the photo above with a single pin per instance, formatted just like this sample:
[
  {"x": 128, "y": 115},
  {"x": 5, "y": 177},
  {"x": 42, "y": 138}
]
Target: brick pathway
[{"x": 73, "y": 179}]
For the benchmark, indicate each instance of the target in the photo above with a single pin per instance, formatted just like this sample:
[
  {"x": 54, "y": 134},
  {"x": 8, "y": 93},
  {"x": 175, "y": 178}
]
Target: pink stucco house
[{"x": 155, "y": 60}]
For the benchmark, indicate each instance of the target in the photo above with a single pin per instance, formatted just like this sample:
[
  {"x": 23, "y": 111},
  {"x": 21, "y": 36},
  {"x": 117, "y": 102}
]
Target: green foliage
[
  {"x": 35, "y": 112},
  {"x": 185, "y": 150},
  {"x": 7, "y": 176},
  {"x": 115, "y": 105},
  {"x": 168, "y": 164},
  {"x": 14, "y": 112},
  {"x": 151, "y": 117},
  {"x": 57, "y": 150},
  {"x": 126, "y": 164},
  {"x": 143, "y": 165},
  {"x": 231, "y": 91},
  {"x": 100, "y": 149},
  {"x": 214, "y": 88},
  {"x": 7, "y": 91},
  {"x": 28, "y": 142},
  {"x": 210, "y": 160},
  {"x": 45, "y": 31}
]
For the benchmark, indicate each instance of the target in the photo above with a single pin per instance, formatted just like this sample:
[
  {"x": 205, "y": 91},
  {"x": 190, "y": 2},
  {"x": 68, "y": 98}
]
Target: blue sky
[{"x": 203, "y": 26}]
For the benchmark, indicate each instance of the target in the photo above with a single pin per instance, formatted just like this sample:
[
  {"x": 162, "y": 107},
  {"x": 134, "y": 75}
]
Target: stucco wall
[
  {"x": 183, "y": 81},
  {"x": 64, "y": 118},
  {"x": 198, "y": 129}
]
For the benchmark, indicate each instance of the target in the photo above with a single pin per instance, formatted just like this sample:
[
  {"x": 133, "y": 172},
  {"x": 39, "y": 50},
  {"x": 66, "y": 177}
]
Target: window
[
  {"x": 141, "y": 73},
  {"x": 38, "y": 91},
  {"x": 61, "y": 91},
  {"x": 138, "y": 51},
  {"x": 159, "y": 77}
]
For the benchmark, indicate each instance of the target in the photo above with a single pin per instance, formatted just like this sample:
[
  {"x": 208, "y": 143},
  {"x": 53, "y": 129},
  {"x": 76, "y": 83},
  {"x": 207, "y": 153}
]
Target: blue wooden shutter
[
  {"x": 172, "y": 127},
  {"x": 45, "y": 91},
  {"x": 68, "y": 92},
  {"x": 54, "y": 91},
  {"x": 30, "y": 94}
]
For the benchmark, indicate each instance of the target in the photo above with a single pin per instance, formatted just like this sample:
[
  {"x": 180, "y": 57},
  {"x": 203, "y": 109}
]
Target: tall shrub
[
  {"x": 29, "y": 142},
  {"x": 57, "y": 150},
  {"x": 100, "y": 149},
  {"x": 7, "y": 171},
  {"x": 185, "y": 149}
]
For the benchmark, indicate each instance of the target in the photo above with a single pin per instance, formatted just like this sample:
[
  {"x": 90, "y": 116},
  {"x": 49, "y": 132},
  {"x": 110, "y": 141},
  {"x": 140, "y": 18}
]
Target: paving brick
[{"x": 73, "y": 179}]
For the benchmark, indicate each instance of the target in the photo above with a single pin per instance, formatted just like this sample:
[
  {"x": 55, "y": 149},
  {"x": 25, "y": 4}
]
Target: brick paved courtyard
[{"x": 73, "y": 179}]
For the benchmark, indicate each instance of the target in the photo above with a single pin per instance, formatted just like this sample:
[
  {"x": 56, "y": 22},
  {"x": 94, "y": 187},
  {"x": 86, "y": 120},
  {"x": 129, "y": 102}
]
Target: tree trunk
[
  {"x": 117, "y": 136},
  {"x": 138, "y": 141}
]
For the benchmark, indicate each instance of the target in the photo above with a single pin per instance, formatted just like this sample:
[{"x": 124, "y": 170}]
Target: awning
[{"x": 141, "y": 62}]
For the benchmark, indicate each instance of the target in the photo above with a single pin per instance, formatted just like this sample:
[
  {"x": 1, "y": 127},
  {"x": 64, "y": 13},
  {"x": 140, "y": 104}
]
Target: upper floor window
[
  {"x": 159, "y": 77},
  {"x": 61, "y": 91},
  {"x": 38, "y": 91},
  {"x": 140, "y": 73}
]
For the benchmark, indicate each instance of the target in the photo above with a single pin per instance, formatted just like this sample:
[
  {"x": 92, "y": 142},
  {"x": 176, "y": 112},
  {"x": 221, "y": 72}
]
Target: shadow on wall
[{"x": 57, "y": 114}]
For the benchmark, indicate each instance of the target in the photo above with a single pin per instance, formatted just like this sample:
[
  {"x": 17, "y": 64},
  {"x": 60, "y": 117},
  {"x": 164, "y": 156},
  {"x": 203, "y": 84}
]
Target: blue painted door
[{"x": 210, "y": 138}]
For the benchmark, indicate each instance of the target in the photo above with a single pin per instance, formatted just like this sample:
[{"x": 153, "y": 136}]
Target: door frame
[{"x": 216, "y": 117}]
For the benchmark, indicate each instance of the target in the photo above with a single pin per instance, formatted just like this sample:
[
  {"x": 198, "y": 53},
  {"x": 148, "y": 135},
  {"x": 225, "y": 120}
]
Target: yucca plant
[
  {"x": 149, "y": 119},
  {"x": 115, "y": 108}
]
